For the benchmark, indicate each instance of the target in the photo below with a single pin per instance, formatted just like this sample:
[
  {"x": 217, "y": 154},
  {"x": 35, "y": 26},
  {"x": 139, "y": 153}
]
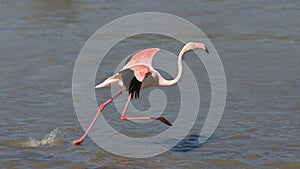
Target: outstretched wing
[
  {"x": 136, "y": 70},
  {"x": 133, "y": 78},
  {"x": 144, "y": 56}
]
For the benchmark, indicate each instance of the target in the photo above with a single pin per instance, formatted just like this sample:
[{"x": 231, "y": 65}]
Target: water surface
[{"x": 258, "y": 42}]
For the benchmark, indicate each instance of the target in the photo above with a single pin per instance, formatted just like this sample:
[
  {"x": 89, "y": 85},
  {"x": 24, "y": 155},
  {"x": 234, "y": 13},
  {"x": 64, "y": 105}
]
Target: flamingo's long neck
[{"x": 164, "y": 82}]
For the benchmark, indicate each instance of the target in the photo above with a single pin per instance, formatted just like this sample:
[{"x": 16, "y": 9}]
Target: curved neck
[{"x": 164, "y": 82}]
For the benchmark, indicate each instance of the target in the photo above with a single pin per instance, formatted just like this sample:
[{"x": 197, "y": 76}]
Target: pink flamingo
[{"x": 138, "y": 74}]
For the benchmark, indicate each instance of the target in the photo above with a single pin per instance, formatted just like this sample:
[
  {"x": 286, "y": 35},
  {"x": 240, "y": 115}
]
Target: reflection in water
[{"x": 189, "y": 143}]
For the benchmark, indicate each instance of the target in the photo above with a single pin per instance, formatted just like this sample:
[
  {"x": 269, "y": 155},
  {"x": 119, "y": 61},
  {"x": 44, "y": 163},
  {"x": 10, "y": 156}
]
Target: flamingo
[{"x": 138, "y": 74}]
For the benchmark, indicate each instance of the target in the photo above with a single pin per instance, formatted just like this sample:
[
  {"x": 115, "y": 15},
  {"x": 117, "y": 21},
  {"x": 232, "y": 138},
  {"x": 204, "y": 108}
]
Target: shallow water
[
  {"x": 53, "y": 138},
  {"x": 258, "y": 42}
]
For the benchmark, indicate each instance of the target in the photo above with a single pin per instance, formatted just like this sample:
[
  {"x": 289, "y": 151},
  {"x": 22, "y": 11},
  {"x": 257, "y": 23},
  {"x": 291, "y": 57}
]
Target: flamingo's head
[{"x": 194, "y": 45}]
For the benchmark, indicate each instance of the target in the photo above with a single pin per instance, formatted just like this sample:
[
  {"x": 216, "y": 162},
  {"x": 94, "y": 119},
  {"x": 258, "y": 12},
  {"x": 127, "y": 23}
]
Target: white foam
[{"x": 54, "y": 137}]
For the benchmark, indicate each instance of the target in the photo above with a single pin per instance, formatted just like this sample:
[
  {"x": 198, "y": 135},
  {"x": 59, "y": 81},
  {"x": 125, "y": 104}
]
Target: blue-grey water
[{"x": 258, "y": 42}]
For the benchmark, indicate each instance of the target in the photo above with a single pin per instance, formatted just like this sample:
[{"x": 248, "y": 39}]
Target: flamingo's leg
[
  {"x": 123, "y": 116},
  {"x": 101, "y": 107}
]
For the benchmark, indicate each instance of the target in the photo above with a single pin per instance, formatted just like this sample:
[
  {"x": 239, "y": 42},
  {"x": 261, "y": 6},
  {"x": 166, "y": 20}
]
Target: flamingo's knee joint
[{"x": 123, "y": 118}]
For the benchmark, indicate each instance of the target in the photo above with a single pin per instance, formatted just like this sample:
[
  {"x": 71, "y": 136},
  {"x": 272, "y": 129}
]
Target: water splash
[{"x": 54, "y": 137}]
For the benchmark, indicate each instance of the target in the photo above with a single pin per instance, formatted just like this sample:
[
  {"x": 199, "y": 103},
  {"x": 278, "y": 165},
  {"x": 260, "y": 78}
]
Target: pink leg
[
  {"x": 123, "y": 117},
  {"x": 102, "y": 106}
]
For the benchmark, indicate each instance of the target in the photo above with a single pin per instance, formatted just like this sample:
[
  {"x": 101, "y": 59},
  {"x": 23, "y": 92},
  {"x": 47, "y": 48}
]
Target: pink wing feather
[
  {"x": 140, "y": 63},
  {"x": 137, "y": 69},
  {"x": 140, "y": 71},
  {"x": 144, "y": 56}
]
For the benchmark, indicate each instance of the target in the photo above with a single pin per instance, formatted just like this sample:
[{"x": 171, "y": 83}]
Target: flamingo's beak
[
  {"x": 206, "y": 50},
  {"x": 201, "y": 46}
]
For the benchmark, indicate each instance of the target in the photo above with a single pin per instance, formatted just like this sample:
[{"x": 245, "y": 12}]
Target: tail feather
[{"x": 110, "y": 82}]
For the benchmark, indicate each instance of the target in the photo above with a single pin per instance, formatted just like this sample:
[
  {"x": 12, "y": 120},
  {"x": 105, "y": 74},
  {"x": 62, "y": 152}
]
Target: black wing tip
[{"x": 134, "y": 88}]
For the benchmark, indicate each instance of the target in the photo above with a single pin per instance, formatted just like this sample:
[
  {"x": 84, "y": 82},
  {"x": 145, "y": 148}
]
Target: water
[
  {"x": 258, "y": 42},
  {"x": 54, "y": 137}
]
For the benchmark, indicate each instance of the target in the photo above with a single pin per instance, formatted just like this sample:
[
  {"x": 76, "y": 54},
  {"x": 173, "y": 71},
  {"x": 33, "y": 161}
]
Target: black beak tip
[{"x": 206, "y": 50}]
